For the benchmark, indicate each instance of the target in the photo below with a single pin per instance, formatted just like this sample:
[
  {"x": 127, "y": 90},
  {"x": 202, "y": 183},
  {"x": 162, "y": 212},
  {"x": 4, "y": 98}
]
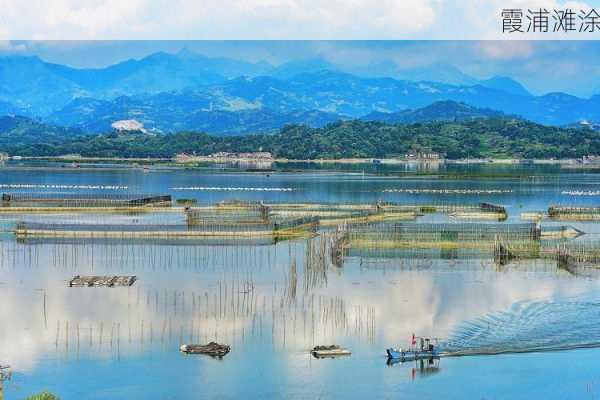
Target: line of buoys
[
  {"x": 449, "y": 191},
  {"x": 581, "y": 192},
  {"x": 59, "y": 186},
  {"x": 250, "y": 189}
]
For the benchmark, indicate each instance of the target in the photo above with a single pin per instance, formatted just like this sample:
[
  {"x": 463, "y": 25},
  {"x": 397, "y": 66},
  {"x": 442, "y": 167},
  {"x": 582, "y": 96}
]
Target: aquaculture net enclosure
[
  {"x": 59, "y": 199},
  {"x": 445, "y": 231}
]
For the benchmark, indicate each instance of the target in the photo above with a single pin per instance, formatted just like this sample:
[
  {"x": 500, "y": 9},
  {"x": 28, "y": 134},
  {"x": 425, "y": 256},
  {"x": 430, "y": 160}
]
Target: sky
[
  {"x": 541, "y": 66},
  {"x": 267, "y": 19},
  {"x": 354, "y": 34}
]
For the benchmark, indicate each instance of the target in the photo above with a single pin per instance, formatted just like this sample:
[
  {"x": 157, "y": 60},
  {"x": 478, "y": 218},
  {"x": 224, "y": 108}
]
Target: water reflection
[
  {"x": 273, "y": 301},
  {"x": 242, "y": 295}
]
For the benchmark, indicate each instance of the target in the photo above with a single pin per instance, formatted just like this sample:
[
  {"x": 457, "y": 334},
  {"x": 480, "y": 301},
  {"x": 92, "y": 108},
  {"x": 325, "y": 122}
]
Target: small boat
[
  {"x": 329, "y": 351},
  {"x": 425, "y": 350},
  {"x": 212, "y": 349},
  {"x": 5, "y": 372}
]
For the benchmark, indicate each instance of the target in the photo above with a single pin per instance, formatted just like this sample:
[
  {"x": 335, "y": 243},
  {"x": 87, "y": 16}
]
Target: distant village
[
  {"x": 224, "y": 156},
  {"x": 265, "y": 159}
]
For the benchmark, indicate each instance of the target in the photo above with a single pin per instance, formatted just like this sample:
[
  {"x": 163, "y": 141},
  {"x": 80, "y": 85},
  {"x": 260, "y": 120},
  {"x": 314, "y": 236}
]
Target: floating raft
[
  {"x": 97, "y": 281},
  {"x": 212, "y": 349},
  {"x": 329, "y": 351},
  {"x": 532, "y": 216}
]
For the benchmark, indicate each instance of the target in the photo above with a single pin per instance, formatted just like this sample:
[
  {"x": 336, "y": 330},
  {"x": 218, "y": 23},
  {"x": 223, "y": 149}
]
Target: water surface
[{"x": 92, "y": 343}]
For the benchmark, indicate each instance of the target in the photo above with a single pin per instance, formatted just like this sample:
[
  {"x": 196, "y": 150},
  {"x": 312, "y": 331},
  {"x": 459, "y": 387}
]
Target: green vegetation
[
  {"x": 186, "y": 202},
  {"x": 25, "y": 132},
  {"x": 43, "y": 396},
  {"x": 487, "y": 137}
]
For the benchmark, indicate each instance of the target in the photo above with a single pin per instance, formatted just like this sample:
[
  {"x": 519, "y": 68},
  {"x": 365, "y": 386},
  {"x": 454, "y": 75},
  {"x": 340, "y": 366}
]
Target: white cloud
[
  {"x": 185, "y": 19},
  {"x": 506, "y": 50},
  {"x": 264, "y": 19}
]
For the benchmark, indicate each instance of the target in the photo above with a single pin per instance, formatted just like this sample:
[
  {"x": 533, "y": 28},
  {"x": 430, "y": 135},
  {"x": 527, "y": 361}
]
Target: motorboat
[{"x": 421, "y": 348}]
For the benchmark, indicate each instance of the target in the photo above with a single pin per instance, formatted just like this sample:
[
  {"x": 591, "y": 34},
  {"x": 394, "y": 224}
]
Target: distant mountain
[
  {"x": 32, "y": 84},
  {"x": 170, "y": 92},
  {"x": 158, "y": 72},
  {"x": 439, "y": 111},
  {"x": 23, "y": 131},
  {"x": 353, "y": 96},
  {"x": 7, "y": 108},
  {"x": 292, "y": 68},
  {"x": 262, "y": 103},
  {"x": 505, "y": 84},
  {"x": 29, "y": 84},
  {"x": 190, "y": 110},
  {"x": 443, "y": 73}
]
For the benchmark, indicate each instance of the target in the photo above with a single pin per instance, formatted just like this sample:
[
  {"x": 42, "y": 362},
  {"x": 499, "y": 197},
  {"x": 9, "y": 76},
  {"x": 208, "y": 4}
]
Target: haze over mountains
[{"x": 188, "y": 91}]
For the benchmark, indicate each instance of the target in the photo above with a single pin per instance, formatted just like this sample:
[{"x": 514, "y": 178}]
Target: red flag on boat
[{"x": 414, "y": 340}]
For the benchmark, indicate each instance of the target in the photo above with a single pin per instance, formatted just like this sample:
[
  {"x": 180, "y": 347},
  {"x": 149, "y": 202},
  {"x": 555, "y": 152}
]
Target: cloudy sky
[
  {"x": 265, "y": 19},
  {"x": 423, "y": 33},
  {"x": 542, "y": 66}
]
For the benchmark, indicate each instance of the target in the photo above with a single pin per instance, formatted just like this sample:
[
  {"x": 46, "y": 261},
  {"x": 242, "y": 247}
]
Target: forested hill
[{"x": 492, "y": 137}]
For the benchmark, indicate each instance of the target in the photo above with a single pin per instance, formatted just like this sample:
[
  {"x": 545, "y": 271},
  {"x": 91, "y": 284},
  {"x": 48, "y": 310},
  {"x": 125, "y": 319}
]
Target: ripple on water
[{"x": 529, "y": 327}]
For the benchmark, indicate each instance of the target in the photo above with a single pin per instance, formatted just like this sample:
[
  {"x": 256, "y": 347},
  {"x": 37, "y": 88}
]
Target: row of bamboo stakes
[{"x": 231, "y": 309}]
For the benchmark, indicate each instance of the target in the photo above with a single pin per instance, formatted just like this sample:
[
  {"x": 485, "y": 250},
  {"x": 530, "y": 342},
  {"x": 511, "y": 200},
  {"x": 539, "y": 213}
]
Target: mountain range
[
  {"x": 439, "y": 111},
  {"x": 188, "y": 91}
]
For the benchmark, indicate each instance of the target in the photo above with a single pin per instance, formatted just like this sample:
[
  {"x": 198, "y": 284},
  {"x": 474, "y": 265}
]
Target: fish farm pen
[
  {"x": 445, "y": 207},
  {"x": 583, "y": 252},
  {"x": 82, "y": 200},
  {"x": 444, "y": 231},
  {"x": 292, "y": 227},
  {"x": 574, "y": 213},
  {"x": 411, "y": 253},
  {"x": 442, "y": 206},
  {"x": 349, "y": 210},
  {"x": 569, "y": 255},
  {"x": 175, "y": 242},
  {"x": 327, "y": 214}
]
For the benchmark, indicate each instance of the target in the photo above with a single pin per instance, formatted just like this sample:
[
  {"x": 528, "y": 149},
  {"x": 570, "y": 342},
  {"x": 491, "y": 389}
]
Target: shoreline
[{"x": 249, "y": 161}]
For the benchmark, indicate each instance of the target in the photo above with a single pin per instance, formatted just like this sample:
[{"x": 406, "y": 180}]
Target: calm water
[{"x": 122, "y": 343}]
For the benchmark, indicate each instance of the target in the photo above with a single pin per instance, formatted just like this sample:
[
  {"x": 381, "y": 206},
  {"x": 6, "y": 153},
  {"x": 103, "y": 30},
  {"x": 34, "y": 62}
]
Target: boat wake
[{"x": 528, "y": 327}]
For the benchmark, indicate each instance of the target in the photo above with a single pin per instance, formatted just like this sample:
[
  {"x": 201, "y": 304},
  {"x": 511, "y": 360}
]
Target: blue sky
[{"x": 542, "y": 66}]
